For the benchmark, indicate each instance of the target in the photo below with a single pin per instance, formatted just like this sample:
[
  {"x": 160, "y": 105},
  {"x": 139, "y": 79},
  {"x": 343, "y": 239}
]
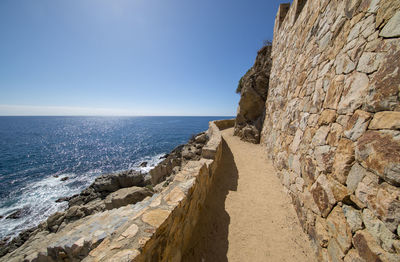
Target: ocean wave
[{"x": 35, "y": 202}]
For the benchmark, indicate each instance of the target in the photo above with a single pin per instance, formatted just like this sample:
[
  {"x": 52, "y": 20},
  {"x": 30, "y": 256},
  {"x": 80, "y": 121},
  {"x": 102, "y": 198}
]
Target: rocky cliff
[
  {"x": 253, "y": 89},
  {"x": 331, "y": 123}
]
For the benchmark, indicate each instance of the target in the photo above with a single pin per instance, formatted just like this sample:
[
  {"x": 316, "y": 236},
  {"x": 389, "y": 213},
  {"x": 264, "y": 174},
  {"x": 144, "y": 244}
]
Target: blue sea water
[{"x": 37, "y": 152}]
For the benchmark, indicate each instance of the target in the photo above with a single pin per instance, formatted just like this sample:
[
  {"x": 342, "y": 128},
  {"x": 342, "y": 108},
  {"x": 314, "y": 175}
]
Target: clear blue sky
[{"x": 128, "y": 57}]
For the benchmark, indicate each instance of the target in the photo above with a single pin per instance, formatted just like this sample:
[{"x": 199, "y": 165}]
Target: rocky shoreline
[{"x": 110, "y": 191}]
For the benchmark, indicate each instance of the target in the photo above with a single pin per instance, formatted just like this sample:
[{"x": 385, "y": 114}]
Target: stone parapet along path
[{"x": 247, "y": 215}]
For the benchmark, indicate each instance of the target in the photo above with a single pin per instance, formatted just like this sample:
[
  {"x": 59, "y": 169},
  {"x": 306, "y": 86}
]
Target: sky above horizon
[{"x": 128, "y": 57}]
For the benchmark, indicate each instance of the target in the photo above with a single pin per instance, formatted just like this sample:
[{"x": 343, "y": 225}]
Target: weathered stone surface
[
  {"x": 369, "y": 62},
  {"x": 355, "y": 87},
  {"x": 125, "y": 255},
  {"x": 335, "y": 134},
  {"x": 337, "y": 57},
  {"x": 339, "y": 229},
  {"x": 321, "y": 232},
  {"x": 382, "y": 94},
  {"x": 334, "y": 92},
  {"x": 392, "y": 28},
  {"x": 367, "y": 188},
  {"x": 378, "y": 230},
  {"x": 386, "y": 205},
  {"x": 379, "y": 151},
  {"x": 327, "y": 116},
  {"x": 344, "y": 158},
  {"x": 344, "y": 64},
  {"x": 308, "y": 170},
  {"x": 343, "y": 120},
  {"x": 202, "y": 138},
  {"x": 296, "y": 141},
  {"x": 357, "y": 125},
  {"x": 369, "y": 249},
  {"x": 353, "y": 256},
  {"x": 324, "y": 156},
  {"x": 319, "y": 138},
  {"x": 126, "y": 196},
  {"x": 385, "y": 120},
  {"x": 355, "y": 176},
  {"x": 155, "y": 217},
  {"x": 174, "y": 196},
  {"x": 253, "y": 87},
  {"x": 335, "y": 252},
  {"x": 323, "y": 195},
  {"x": 131, "y": 231},
  {"x": 353, "y": 218}
]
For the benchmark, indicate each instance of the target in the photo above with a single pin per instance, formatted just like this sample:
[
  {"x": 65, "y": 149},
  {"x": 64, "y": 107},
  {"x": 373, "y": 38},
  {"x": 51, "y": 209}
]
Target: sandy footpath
[{"x": 247, "y": 216}]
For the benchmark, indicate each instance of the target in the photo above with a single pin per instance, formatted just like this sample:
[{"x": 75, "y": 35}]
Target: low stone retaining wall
[
  {"x": 161, "y": 230},
  {"x": 155, "y": 229}
]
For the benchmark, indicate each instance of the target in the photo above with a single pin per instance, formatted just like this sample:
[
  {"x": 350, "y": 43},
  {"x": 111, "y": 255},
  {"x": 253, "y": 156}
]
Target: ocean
[{"x": 45, "y": 158}]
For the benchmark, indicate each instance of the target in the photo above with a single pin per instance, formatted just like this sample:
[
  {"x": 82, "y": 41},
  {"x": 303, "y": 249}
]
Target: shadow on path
[{"x": 209, "y": 241}]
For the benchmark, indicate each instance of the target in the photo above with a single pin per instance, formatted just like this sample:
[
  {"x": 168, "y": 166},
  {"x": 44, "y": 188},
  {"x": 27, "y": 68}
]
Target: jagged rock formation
[
  {"x": 253, "y": 89},
  {"x": 331, "y": 125}
]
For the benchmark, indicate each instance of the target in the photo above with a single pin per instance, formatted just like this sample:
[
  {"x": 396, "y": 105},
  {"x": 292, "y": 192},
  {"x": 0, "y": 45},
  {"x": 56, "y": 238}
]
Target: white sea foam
[{"x": 37, "y": 199}]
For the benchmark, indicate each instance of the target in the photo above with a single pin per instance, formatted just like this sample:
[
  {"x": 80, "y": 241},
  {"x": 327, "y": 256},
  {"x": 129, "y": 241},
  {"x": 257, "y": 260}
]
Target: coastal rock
[
  {"x": 126, "y": 196},
  {"x": 253, "y": 88},
  {"x": 108, "y": 183},
  {"x": 18, "y": 213},
  {"x": 63, "y": 199},
  {"x": 201, "y": 138},
  {"x": 111, "y": 183},
  {"x": 164, "y": 168},
  {"x": 7, "y": 246}
]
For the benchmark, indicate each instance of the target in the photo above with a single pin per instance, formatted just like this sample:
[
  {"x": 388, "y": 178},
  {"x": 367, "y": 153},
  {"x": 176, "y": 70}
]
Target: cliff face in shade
[
  {"x": 331, "y": 123},
  {"x": 253, "y": 87}
]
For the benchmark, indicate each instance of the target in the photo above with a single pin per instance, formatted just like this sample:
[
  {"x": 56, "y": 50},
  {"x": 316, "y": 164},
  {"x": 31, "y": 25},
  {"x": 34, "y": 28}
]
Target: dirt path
[{"x": 247, "y": 216}]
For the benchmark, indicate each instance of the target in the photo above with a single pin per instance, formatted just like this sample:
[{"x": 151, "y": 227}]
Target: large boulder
[
  {"x": 164, "y": 169},
  {"x": 106, "y": 184},
  {"x": 126, "y": 196}
]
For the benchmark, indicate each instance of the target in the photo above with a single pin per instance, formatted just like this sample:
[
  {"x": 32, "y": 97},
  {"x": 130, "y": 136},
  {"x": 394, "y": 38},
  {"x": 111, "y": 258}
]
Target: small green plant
[
  {"x": 239, "y": 87},
  {"x": 150, "y": 187}
]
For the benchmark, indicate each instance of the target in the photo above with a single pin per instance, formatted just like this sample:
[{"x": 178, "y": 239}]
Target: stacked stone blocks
[{"x": 332, "y": 124}]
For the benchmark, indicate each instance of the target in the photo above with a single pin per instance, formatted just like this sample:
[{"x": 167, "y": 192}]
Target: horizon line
[{"x": 116, "y": 116}]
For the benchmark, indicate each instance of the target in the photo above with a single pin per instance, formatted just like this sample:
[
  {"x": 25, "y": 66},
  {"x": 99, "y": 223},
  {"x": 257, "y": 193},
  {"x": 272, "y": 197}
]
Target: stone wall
[
  {"x": 156, "y": 229},
  {"x": 332, "y": 123}
]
